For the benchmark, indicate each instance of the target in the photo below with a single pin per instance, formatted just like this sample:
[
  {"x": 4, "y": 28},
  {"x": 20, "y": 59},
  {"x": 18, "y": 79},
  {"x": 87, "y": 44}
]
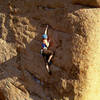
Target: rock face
[
  {"x": 92, "y": 3},
  {"x": 74, "y": 32}
]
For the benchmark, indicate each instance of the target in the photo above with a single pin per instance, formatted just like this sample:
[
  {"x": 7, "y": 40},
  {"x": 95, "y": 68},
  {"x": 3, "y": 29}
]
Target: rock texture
[
  {"x": 92, "y": 3},
  {"x": 74, "y": 32}
]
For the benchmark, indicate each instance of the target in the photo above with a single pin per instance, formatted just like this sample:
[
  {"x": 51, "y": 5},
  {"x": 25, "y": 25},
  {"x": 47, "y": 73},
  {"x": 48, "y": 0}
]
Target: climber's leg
[
  {"x": 47, "y": 55},
  {"x": 49, "y": 59},
  {"x": 48, "y": 69},
  {"x": 50, "y": 56}
]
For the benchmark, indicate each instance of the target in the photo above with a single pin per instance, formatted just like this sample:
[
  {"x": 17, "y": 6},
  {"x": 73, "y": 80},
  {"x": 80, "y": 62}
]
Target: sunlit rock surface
[{"x": 75, "y": 38}]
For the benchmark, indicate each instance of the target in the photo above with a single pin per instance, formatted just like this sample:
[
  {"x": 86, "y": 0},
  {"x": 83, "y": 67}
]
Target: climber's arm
[
  {"x": 46, "y": 30},
  {"x": 46, "y": 42}
]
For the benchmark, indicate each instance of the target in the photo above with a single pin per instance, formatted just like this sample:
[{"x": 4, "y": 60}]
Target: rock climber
[{"x": 46, "y": 53}]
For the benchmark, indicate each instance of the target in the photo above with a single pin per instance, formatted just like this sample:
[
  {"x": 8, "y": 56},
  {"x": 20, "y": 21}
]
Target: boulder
[
  {"x": 74, "y": 33},
  {"x": 90, "y": 3}
]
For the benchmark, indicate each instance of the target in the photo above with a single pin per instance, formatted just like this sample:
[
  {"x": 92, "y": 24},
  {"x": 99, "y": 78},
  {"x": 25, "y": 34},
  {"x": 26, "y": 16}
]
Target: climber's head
[{"x": 44, "y": 36}]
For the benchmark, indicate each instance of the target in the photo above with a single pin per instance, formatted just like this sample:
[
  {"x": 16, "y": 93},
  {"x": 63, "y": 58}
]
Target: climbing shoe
[{"x": 50, "y": 73}]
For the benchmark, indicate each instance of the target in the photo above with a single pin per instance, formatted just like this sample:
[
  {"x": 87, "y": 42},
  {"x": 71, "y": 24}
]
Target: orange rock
[
  {"x": 74, "y": 31},
  {"x": 92, "y": 3}
]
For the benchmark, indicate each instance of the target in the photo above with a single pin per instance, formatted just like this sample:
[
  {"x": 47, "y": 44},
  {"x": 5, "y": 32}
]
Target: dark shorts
[{"x": 46, "y": 54}]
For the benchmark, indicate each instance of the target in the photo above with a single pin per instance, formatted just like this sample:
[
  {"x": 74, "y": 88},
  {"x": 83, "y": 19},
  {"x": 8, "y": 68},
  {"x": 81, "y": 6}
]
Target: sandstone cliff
[
  {"x": 91, "y": 3},
  {"x": 74, "y": 31}
]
